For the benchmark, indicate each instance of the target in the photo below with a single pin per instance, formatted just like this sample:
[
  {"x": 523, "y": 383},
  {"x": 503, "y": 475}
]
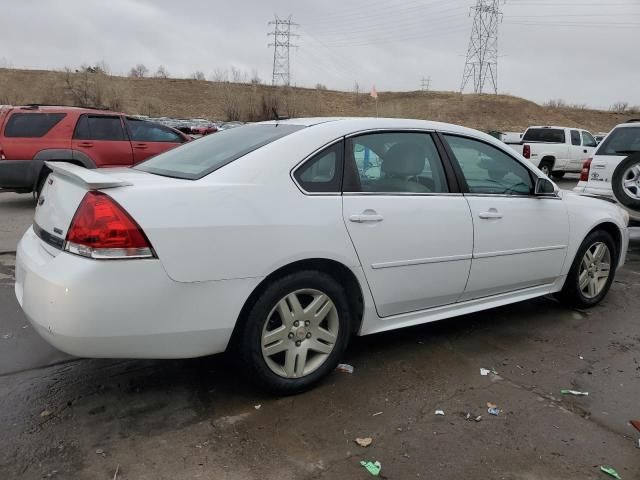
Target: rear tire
[
  {"x": 545, "y": 167},
  {"x": 625, "y": 182},
  {"x": 296, "y": 332},
  {"x": 557, "y": 175},
  {"x": 592, "y": 271}
]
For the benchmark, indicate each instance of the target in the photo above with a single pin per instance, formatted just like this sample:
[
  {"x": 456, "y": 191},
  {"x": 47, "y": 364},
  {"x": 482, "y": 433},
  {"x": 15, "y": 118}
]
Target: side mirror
[{"x": 545, "y": 188}]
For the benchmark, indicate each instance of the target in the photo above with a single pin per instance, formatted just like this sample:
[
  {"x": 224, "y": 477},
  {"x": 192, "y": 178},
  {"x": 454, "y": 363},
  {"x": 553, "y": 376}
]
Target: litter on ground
[
  {"x": 372, "y": 467},
  {"x": 364, "y": 442},
  {"x": 440, "y": 412},
  {"x": 635, "y": 424},
  {"x": 376, "y": 414},
  {"x": 611, "y": 471},
  {"x": 345, "y": 368},
  {"x": 574, "y": 392}
]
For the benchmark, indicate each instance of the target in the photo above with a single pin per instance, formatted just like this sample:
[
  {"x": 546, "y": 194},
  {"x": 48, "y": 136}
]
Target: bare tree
[
  {"x": 102, "y": 67},
  {"x": 557, "y": 103},
  {"x": 161, "y": 72},
  {"x": 230, "y": 103},
  {"x": 255, "y": 78},
  {"x": 84, "y": 88},
  {"x": 139, "y": 71},
  {"x": 198, "y": 75},
  {"x": 320, "y": 86},
  {"x": 238, "y": 76},
  {"x": 220, "y": 75},
  {"x": 620, "y": 107}
]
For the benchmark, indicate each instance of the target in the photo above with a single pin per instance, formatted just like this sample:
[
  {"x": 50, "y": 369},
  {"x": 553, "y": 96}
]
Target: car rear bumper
[
  {"x": 19, "y": 175},
  {"x": 123, "y": 308}
]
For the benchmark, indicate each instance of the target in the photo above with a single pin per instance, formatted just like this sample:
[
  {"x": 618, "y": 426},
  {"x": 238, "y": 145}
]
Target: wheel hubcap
[
  {"x": 631, "y": 182},
  {"x": 594, "y": 270},
  {"x": 300, "y": 333}
]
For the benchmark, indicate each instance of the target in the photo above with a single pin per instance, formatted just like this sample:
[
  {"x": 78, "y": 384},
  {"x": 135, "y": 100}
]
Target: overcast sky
[{"x": 580, "y": 51}]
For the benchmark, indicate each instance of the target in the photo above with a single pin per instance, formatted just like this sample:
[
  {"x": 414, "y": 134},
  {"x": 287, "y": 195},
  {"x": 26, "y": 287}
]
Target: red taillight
[
  {"x": 2, "y": 155},
  {"x": 584, "y": 173},
  {"x": 102, "y": 229},
  {"x": 526, "y": 151}
]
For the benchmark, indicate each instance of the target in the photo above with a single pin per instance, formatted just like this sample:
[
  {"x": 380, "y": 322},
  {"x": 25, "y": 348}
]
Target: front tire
[
  {"x": 625, "y": 182},
  {"x": 296, "y": 332},
  {"x": 592, "y": 271}
]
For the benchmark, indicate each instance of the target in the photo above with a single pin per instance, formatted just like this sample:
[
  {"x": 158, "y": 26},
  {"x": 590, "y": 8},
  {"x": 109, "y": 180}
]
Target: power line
[
  {"x": 482, "y": 55},
  {"x": 281, "y": 46},
  {"x": 425, "y": 83}
]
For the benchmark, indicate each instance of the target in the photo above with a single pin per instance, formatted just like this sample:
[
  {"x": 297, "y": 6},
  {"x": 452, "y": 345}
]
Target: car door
[
  {"x": 520, "y": 240},
  {"x": 588, "y": 146},
  {"x": 149, "y": 139},
  {"x": 103, "y": 139},
  {"x": 411, "y": 228}
]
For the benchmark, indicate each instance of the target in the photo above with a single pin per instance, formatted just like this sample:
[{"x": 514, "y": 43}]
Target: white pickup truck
[{"x": 556, "y": 150}]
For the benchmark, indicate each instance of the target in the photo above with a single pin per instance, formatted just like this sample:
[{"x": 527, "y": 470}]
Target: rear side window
[
  {"x": 142, "y": 131},
  {"x": 575, "y": 137},
  {"x": 31, "y": 125},
  {"x": 546, "y": 135},
  {"x": 99, "y": 127},
  {"x": 621, "y": 142},
  {"x": 196, "y": 159},
  {"x": 323, "y": 172}
]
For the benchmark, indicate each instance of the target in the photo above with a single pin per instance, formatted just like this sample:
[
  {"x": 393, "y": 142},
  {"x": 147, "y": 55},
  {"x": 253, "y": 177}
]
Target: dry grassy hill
[{"x": 230, "y": 101}]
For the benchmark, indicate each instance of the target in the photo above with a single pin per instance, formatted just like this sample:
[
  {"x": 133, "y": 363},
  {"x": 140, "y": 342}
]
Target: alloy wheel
[
  {"x": 631, "y": 182},
  {"x": 594, "y": 270},
  {"x": 300, "y": 333}
]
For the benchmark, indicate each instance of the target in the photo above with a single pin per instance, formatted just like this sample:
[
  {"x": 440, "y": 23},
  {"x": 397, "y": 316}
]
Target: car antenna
[{"x": 277, "y": 117}]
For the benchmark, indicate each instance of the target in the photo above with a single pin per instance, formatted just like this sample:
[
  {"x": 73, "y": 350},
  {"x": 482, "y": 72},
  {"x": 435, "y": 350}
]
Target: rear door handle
[
  {"x": 141, "y": 145},
  {"x": 86, "y": 144},
  {"x": 364, "y": 218},
  {"x": 492, "y": 213}
]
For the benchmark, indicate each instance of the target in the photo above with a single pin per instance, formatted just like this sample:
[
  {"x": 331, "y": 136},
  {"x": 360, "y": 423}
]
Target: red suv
[{"x": 33, "y": 134}]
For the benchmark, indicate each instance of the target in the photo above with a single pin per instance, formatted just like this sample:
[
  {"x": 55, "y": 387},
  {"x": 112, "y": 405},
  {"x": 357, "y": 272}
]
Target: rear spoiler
[{"x": 91, "y": 179}]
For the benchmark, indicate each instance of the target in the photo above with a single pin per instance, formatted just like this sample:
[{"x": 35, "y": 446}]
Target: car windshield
[
  {"x": 196, "y": 159},
  {"x": 548, "y": 135},
  {"x": 622, "y": 141}
]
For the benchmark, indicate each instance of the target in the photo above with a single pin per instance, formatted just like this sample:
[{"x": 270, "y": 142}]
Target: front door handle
[
  {"x": 491, "y": 214},
  {"x": 86, "y": 144},
  {"x": 141, "y": 146},
  {"x": 366, "y": 217},
  {"x": 584, "y": 151}
]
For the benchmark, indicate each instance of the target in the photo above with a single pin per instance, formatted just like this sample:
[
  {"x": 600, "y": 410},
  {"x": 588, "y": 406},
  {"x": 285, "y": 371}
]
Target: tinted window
[
  {"x": 575, "y": 137},
  {"x": 196, "y": 159},
  {"x": 142, "y": 131},
  {"x": 393, "y": 162},
  {"x": 622, "y": 141},
  {"x": 488, "y": 169},
  {"x": 548, "y": 135},
  {"x": 323, "y": 172},
  {"x": 99, "y": 127},
  {"x": 31, "y": 125},
  {"x": 588, "y": 140}
]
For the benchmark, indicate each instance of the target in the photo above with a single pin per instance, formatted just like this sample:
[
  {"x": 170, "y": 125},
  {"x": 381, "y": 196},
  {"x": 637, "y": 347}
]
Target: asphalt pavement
[{"x": 129, "y": 419}]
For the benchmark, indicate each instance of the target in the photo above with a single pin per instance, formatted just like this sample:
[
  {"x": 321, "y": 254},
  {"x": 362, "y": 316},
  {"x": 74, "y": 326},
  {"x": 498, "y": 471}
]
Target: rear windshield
[
  {"x": 196, "y": 159},
  {"x": 622, "y": 141},
  {"x": 31, "y": 125},
  {"x": 546, "y": 135}
]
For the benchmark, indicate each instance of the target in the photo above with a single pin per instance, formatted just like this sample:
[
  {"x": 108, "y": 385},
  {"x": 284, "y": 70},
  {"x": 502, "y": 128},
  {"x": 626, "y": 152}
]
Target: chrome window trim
[
  {"x": 403, "y": 194},
  {"x": 390, "y": 130},
  {"x": 506, "y": 195}
]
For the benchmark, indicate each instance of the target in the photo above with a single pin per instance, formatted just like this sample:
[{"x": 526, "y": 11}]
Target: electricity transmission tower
[
  {"x": 425, "y": 83},
  {"x": 281, "y": 45},
  {"x": 482, "y": 56}
]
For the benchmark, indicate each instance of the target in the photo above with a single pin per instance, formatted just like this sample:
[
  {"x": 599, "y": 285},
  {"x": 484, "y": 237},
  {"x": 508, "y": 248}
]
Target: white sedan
[{"x": 286, "y": 238}]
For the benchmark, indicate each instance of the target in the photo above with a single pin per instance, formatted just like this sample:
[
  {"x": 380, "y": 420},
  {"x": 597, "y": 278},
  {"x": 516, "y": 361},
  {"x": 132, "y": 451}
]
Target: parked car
[
  {"x": 507, "y": 137},
  {"x": 613, "y": 172},
  {"x": 556, "y": 150},
  {"x": 33, "y": 134},
  {"x": 272, "y": 238}
]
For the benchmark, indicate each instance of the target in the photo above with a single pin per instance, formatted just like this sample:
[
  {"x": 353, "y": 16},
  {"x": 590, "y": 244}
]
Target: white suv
[{"x": 614, "y": 170}]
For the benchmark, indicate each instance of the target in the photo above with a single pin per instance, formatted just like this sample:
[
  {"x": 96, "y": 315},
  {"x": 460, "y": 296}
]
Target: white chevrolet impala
[{"x": 284, "y": 239}]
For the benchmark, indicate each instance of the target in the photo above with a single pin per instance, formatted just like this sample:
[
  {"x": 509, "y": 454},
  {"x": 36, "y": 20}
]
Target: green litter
[
  {"x": 574, "y": 392},
  {"x": 611, "y": 471},
  {"x": 372, "y": 467}
]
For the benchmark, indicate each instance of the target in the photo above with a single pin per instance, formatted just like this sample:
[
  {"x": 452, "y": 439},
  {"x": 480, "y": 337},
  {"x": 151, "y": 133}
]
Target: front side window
[
  {"x": 489, "y": 170},
  {"x": 394, "y": 162},
  {"x": 575, "y": 137},
  {"x": 31, "y": 125},
  {"x": 621, "y": 141},
  {"x": 196, "y": 159},
  {"x": 143, "y": 131},
  {"x": 322, "y": 172},
  {"x": 588, "y": 140},
  {"x": 99, "y": 127}
]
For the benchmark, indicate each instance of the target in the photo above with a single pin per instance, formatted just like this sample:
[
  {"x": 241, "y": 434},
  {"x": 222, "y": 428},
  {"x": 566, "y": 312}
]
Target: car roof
[
  {"x": 62, "y": 109},
  {"x": 633, "y": 122},
  {"x": 555, "y": 126}
]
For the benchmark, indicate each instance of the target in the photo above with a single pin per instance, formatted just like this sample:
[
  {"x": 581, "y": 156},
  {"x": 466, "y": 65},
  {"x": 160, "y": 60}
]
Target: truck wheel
[
  {"x": 545, "y": 167},
  {"x": 557, "y": 175},
  {"x": 625, "y": 182}
]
